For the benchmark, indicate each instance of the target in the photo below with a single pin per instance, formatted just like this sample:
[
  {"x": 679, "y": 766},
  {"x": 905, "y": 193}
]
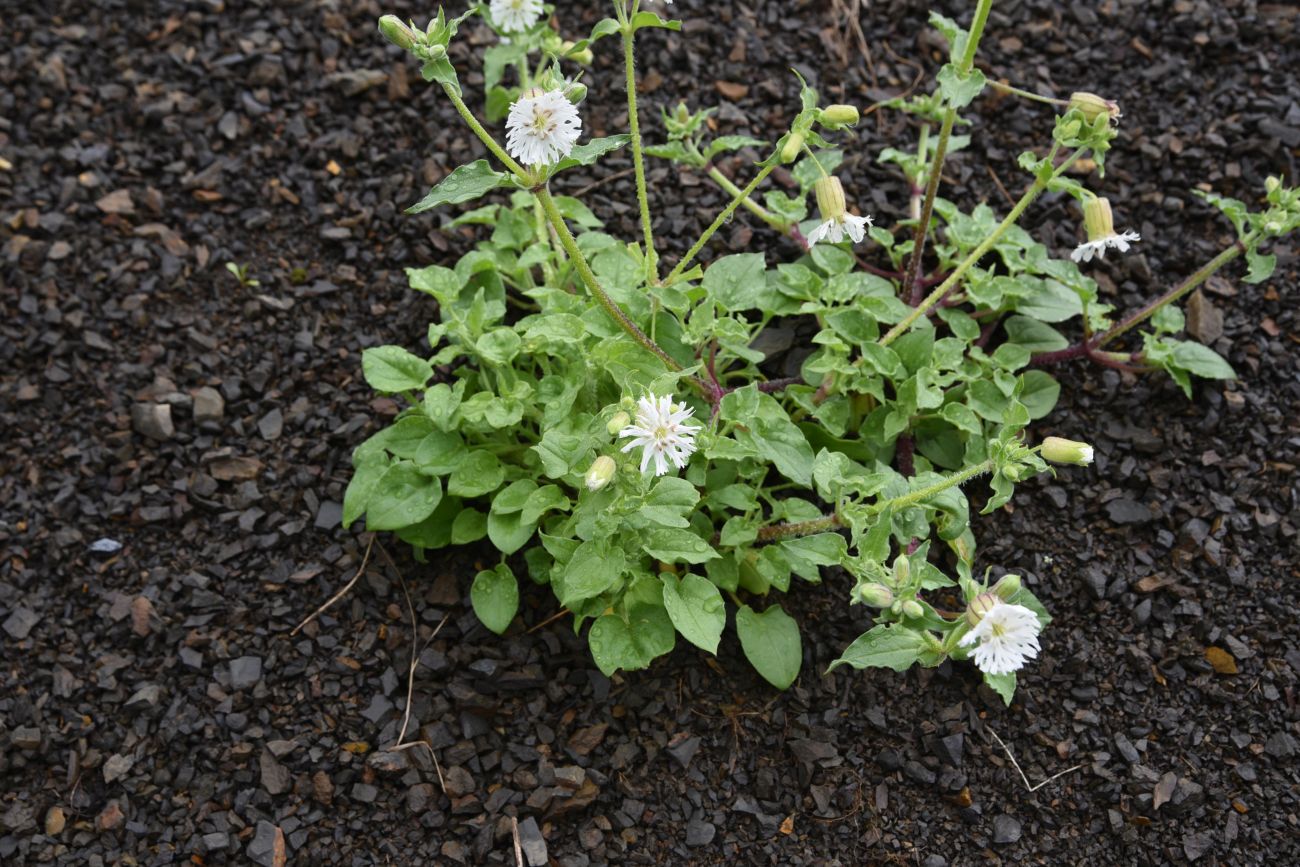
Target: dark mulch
[{"x": 155, "y": 708}]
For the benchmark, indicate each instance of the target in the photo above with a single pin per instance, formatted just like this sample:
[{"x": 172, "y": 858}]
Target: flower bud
[
  {"x": 876, "y": 595},
  {"x": 575, "y": 92},
  {"x": 397, "y": 33},
  {"x": 896, "y": 608},
  {"x": 979, "y": 606},
  {"x": 830, "y": 198},
  {"x": 790, "y": 150},
  {"x": 617, "y": 423},
  {"x": 1093, "y": 106},
  {"x": 583, "y": 57},
  {"x": 1063, "y": 451},
  {"x": 436, "y": 52},
  {"x": 1007, "y": 586},
  {"x": 913, "y": 609},
  {"x": 1097, "y": 218},
  {"x": 840, "y": 114},
  {"x": 902, "y": 569},
  {"x": 602, "y": 470},
  {"x": 1271, "y": 183},
  {"x": 1071, "y": 130},
  {"x": 627, "y": 403}
]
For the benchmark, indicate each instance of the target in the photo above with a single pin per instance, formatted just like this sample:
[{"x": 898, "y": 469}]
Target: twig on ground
[
  {"x": 1016, "y": 764},
  {"x": 401, "y": 743},
  {"x": 339, "y": 595},
  {"x": 519, "y": 850},
  {"x": 548, "y": 621},
  {"x": 605, "y": 180}
]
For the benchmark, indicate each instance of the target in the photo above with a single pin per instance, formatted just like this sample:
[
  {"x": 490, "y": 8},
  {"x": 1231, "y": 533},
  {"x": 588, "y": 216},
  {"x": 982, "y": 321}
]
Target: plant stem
[
  {"x": 593, "y": 285},
  {"x": 743, "y": 195},
  {"x": 750, "y": 205},
  {"x": 943, "y": 288},
  {"x": 638, "y": 159},
  {"x": 484, "y": 135},
  {"x": 1026, "y": 94},
  {"x": 941, "y": 151},
  {"x": 1194, "y": 280},
  {"x": 777, "y": 532}
]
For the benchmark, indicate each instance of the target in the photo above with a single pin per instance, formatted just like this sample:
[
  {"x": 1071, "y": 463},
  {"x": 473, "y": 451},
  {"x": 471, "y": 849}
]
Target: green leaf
[
  {"x": 769, "y": 431},
  {"x": 952, "y": 31},
  {"x": 1050, "y": 301},
  {"x": 960, "y": 91},
  {"x": 673, "y": 545},
  {"x": 1039, "y": 394},
  {"x": 470, "y": 526},
  {"x": 1202, "y": 361},
  {"x": 731, "y": 143},
  {"x": 807, "y": 554},
  {"x": 594, "y": 567},
  {"x": 1003, "y": 684},
  {"x": 669, "y": 503},
  {"x": 401, "y": 497},
  {"x": 392, "y": 369},
  {"x": 478, "y": 474},
  {"x": 499, "y": 346},
  {"x": 696, "y": 609},
  {"x": 364, "y": 478},
  {"x": 495, "y": 597},
  {"x": 1261, "y": 266},
  {"x": 586, "y": 154},
  {"x": 1034, "y": 335},
  {"x": 892, "y": 646},
  {"x": 464, "y": 184},
  {"x": 632, "y": 644},
  {"x": 731, "y": 280},
  {"x": 604, "y": 27},
  {"x": 650, "y": 19},
  {"x": 771, "y": 643}
]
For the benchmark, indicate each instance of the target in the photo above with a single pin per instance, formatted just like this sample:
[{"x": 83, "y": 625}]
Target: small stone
[
  {"x": 329, "y": 515},
  {"x": 216, "y": 841},
  {"x": 110, "y": 817},
  {"x": 420, "y": 797},
  {"x": 532, "y": 842},
  {"x": 684, "y": 750},
  {"x": 117, "y": 766},
  {"x": 1280, "y": 746},
  {"x": 919, "y": 773},
  {"x": 116, "y": 202},
  {"x": 153, "y": 420},
  {"x": 245, "y": 671},
  {"x": 365, "y": 793},
  {"x": 55, "y": 820},
  {"x": 322, "y": 788},
  {"x": 1126, "y": 511},
  {"x": 271, "y": 425},
  {"x": 1006, "y": 829},
  {"x": 26, "y": 738},
  {"x": 1196, "y": 845},
  {"x": 267, "y": 847},
  {"x": 571, "y": 777},
  {"x": 20, "y": 622},
  {"x": 699, "y": 833},
  {"x": 949, "y": 749},
  {"x": 209, "y": 405},
  {"x": 276, "y": 778},
  {"x": 457, "y": 782}
]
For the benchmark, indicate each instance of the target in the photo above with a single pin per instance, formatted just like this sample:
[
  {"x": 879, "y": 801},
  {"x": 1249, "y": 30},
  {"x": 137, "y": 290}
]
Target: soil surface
[{"x": 177, "y": 447}]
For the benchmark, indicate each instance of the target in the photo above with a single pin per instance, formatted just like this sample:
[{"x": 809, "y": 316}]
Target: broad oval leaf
[
  {"x": 392, "y": 369},
  {"x": 894, "y": 646},
  {"x": 495, "y": 597},
  {"x": 464, "y": 184},
  {"x": 402, "y": 496},
  {"x": 771, "y": 643},
  {"x": 696, "y": 609}
]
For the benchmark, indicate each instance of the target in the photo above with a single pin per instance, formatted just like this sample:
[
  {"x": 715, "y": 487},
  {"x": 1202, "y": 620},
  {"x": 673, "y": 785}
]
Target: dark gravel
[{"x": 177, "y": 449}]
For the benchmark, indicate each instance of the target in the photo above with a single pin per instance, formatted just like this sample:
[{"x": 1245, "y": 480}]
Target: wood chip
[
  {"x": 116, "y": 202},
  {"x": 734, "y": 92},
  {"x": 1221, "y": 660}
]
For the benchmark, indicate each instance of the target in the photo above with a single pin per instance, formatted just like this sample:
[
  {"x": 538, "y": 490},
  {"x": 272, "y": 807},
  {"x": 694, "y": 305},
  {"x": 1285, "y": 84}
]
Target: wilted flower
[
  {"x": 1007, "y": 635},
  {"x": 837, "y": 221},
  {"x": 542, "y": 127},
  {"x": 513, "y": 16},
  {"x": 661, "y": 432},
  {"x": 1100, "y": 224}
]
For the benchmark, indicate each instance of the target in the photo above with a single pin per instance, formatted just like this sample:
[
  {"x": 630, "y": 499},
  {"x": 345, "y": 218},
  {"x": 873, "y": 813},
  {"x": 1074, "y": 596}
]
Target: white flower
[
  {"x": 834, "y": 230},
  {"x": 660, "y": 430},
  {"x": 542, "y": 127},
  {"x": 1007, "y": 636},
  {"x": 512, "y": 16},
  {"x": 1100, "y": 224},
  {"x": 1084, "y": 252}
]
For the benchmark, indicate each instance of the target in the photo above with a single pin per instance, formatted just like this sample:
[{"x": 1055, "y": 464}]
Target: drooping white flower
[
  {"x": 837, "y": 221},
  {"x": 512, "y": 16},
  {"x": 542, "y": 127},
  {"x": 660, "y": 430},
  {"x": 1007, "y": 636},
  {"x": 833, "y": 231},
  {"x": 1099, "y": 222}
]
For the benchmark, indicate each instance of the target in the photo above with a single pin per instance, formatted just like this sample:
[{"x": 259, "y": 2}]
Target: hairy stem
[
  {"x": 1194, "y": 280},
  {"x": 638, "y": 159},
  {"x": 730, "y": 209},
  {"x": 486, "y": 137},
  {"x": 749, "y": 204},
  {"x": 593, "y": 285}
]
